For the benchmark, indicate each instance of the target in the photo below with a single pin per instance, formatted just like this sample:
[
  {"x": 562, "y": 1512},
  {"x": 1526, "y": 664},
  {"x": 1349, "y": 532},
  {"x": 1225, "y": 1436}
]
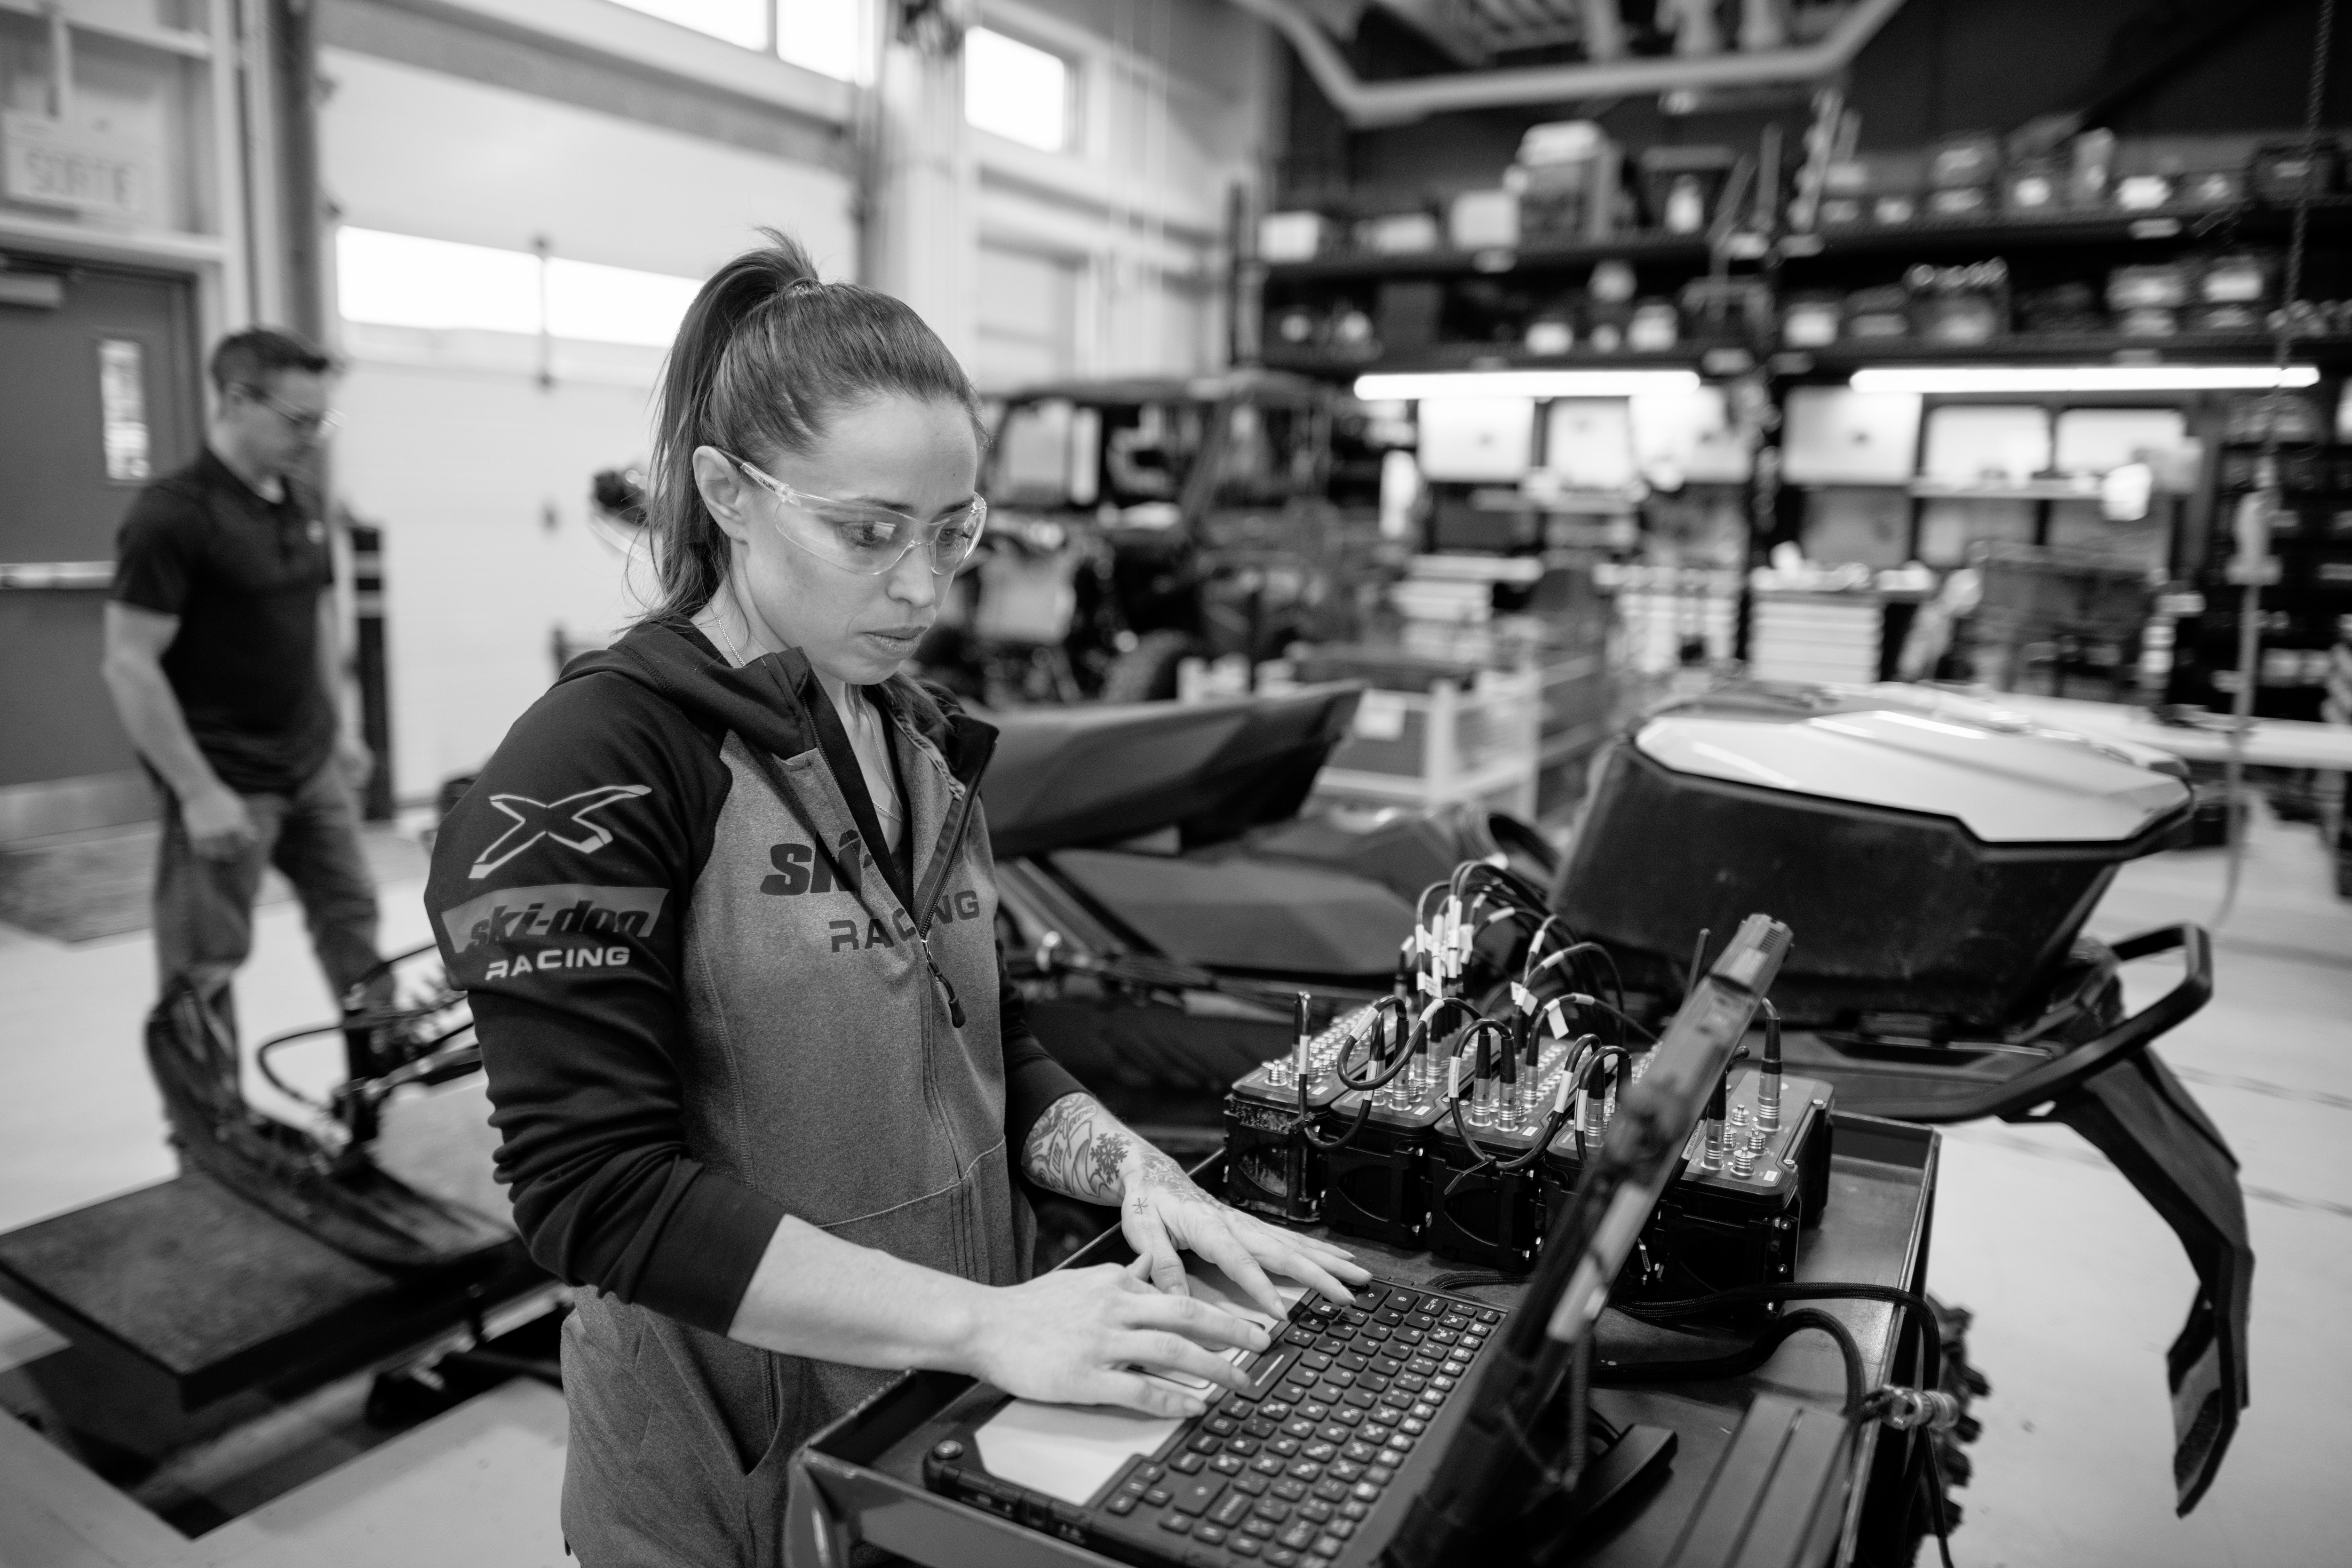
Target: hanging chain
[{"x": 2268, "y": 491}]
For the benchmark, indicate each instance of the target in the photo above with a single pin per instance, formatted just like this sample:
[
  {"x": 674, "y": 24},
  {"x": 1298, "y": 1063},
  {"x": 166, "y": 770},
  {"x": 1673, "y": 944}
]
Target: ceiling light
[
  {"x": 1959, "y": 378},
  {"x": 1523, "y": 384}
]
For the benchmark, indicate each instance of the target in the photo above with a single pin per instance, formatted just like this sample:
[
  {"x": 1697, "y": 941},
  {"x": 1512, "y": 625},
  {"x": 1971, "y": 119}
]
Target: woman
[{"x": 724, "y": 903}]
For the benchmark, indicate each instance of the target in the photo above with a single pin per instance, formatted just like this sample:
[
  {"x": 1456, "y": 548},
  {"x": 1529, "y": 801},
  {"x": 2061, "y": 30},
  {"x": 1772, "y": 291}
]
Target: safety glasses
[
  {"x": 301, "y": 419},
  {"x": 865, "y": 538}
]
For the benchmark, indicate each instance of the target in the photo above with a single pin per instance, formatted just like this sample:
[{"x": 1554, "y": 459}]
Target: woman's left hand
[{"x": 1163, "y": 1212}]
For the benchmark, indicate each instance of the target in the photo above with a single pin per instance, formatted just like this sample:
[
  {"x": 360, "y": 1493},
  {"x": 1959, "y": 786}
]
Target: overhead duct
[{"x": 1364, "y": 103}]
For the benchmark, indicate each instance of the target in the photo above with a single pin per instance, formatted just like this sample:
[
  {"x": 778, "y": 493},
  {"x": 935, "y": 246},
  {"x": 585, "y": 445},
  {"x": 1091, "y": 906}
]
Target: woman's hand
[
  {"x": 1078, "y": 1148},
  {"x": 1162, "y": 1211},
  {"x": 1072, "y": 1336}
]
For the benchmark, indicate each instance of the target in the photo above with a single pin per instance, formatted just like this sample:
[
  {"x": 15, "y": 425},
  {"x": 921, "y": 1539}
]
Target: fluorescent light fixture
[
  {"x": 1412, "y": 386},
  {"x": 2036, "y": 378}
]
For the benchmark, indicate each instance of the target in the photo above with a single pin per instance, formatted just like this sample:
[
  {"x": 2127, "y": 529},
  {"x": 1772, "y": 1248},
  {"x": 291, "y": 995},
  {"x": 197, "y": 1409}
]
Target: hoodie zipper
[{"x": 940, "y": 869}]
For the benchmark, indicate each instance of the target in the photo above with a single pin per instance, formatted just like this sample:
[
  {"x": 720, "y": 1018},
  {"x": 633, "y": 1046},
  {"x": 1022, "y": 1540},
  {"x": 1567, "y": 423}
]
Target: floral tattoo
[{"x": 1080, "y": 1149}]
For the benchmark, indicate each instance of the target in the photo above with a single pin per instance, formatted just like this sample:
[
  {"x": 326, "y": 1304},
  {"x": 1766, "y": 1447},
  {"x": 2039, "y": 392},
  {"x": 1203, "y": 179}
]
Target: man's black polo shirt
[{"x": 243, "y": 574}]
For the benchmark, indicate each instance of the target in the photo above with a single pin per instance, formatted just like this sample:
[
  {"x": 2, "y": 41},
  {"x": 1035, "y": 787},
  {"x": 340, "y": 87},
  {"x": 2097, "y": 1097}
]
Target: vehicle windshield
[{"x": 1053, "y": 453}]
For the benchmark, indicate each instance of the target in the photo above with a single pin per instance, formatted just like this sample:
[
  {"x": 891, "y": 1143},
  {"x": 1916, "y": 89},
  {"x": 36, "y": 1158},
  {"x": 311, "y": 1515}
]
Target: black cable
[
  {"x": 1625, "y": 1020},
  {"x": 1480, "y": 1159},
  {"x": 1931, "y": 1332},
  {"x": 1528, "y": 896},
  {"x": 1578, "y": 951},
  {"x": 1365, "y": 1086},
  {"x": 1935, "y": 1500},
  {"x": 1740, "y": 1363}
]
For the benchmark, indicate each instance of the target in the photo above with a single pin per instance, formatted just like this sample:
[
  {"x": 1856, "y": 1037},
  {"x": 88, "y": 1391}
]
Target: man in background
[{"x": 223, "y": 661}]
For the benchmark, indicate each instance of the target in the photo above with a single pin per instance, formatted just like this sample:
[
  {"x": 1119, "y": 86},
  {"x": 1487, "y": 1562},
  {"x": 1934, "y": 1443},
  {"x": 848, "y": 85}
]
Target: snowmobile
[{"x": 1167, "y": 892}]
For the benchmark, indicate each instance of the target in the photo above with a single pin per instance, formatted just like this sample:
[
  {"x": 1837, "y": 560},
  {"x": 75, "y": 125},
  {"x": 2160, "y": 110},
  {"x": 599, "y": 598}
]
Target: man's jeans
[{"x": 203, "y": 909}]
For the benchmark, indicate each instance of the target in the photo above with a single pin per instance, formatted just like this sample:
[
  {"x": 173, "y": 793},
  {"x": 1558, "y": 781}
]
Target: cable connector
[{"x": 1907, "y": 1409}]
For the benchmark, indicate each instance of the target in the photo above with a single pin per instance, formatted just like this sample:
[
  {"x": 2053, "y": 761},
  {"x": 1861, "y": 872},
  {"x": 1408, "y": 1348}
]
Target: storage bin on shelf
[
  {"x": 1811, "y": 636},
  {"x": 1666, "y": 615},
  {"x": 1445, "y": 746},
  {"x": 1429, "y": 731}
]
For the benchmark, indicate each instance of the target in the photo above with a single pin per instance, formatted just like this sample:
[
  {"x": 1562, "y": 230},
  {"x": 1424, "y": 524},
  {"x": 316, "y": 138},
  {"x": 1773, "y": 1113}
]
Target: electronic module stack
[{"x": 1455, "y": 1114}]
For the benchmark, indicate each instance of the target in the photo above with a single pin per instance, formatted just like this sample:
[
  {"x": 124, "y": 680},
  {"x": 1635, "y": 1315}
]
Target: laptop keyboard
[{"x": 1285, "y": 1474}]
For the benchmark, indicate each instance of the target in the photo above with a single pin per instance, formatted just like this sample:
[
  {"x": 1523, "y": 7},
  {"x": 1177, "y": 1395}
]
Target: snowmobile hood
[
  {"x": 2004, "y": 782},
  {"x": 1069, "y": 777}
]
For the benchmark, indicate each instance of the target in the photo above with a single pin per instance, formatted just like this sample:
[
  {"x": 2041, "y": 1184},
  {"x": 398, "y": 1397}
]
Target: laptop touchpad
[{"x": 1072, "y": 1451}]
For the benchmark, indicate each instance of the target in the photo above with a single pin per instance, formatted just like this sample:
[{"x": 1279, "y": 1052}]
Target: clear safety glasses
[{"x": 867, "y": 538}]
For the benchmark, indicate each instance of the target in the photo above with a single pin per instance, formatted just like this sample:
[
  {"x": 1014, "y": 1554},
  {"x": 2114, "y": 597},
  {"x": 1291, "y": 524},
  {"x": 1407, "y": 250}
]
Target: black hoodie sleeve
[
  {"x": 1033, "y": 1080},
  {"x": 558, "y": 895}
]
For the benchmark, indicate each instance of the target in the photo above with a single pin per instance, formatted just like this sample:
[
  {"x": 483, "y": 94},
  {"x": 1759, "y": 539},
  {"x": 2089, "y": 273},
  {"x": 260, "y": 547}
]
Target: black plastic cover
[
  {"x": 1068, "y": 776},
  {"x": 1245, "y": 915},
  {"x": 1895, "y": 912}
]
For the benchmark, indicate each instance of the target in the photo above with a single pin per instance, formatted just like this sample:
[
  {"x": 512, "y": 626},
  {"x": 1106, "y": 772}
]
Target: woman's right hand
[{"x": 1070, "y": 1337}]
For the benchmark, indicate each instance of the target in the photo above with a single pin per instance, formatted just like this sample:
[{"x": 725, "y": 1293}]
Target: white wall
[
  {"x": 1173, "y": 109},
  {"x": 450, "y": 442}
]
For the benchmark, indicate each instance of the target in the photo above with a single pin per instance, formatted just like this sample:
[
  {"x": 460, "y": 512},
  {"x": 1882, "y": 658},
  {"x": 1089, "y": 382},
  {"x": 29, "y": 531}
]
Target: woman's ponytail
[
  {"x": 766, "y": 355},
  {"x": 691, "y": 550}
]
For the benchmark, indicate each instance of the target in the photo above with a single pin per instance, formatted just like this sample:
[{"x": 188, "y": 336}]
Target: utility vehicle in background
[{"x": 1134, "y": 523}]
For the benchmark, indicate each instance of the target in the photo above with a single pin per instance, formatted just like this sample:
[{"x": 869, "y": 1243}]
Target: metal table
[{"x": 863, "y": 1474}]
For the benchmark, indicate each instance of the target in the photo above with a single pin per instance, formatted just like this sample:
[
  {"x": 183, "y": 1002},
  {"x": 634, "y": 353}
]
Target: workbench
[{"x": 861, "y": 1478}]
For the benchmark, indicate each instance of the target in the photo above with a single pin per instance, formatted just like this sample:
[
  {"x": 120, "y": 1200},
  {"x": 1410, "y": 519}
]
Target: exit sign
[{"x": 50, "y": 164}]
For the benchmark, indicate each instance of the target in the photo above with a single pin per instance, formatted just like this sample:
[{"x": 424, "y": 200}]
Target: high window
[
  {"x": 404, "y": 280},
  {"x": 744, "y": 22},
  {"x": 1016, "y": 90},
  {"x": 822, "y": 35}
]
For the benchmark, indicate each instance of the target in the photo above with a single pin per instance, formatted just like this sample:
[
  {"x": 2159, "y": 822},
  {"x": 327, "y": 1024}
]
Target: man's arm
[
  {"x": 351, "y": 751},
  {"x": 1082, "y": 1151},
  {"x": 132, "y": 666}
]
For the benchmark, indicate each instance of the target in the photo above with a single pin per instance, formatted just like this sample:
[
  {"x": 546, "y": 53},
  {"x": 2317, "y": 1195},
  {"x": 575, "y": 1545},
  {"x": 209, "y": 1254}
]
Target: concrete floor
[{"x": 2076, "y": 1285}]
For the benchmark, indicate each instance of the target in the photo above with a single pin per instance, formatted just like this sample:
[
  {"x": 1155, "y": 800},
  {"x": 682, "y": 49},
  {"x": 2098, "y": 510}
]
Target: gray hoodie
[{"x": 703, "y": 1004}]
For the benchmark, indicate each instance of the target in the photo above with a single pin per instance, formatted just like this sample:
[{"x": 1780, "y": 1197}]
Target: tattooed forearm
[
  {"x": 1081, "y": 1150},
  {"x": 1077, "y": 1149}
]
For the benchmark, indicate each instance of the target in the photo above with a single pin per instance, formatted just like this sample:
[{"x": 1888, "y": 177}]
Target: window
[
  {"x": 402, "y": 280},
  {"x": 744, "y": 22},
  {"x": 399, "y": 280},
  {"x": 615, "y": 304},
  {"x": 822, "y": 36},
  {"x": 1018, "y": 91}
]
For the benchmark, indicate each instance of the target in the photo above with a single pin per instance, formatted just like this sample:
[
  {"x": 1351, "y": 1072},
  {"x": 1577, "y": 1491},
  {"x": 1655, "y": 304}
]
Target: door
[{"x": 98, "y": 393}]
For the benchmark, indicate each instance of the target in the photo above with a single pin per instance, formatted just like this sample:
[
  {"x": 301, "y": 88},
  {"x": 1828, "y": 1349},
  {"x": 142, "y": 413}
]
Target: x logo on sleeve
[{"x": 565, "y": 821}]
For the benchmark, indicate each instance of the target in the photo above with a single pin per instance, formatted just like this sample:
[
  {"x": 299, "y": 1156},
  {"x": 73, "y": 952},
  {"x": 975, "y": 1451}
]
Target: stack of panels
[{"x": 1831, "y": 638}]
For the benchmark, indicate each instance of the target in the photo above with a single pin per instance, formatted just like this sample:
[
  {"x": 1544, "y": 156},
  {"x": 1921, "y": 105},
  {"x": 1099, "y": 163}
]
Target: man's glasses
[
  {"x": 302, "y": 419},
  {"x": 869, "y": 540}
]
